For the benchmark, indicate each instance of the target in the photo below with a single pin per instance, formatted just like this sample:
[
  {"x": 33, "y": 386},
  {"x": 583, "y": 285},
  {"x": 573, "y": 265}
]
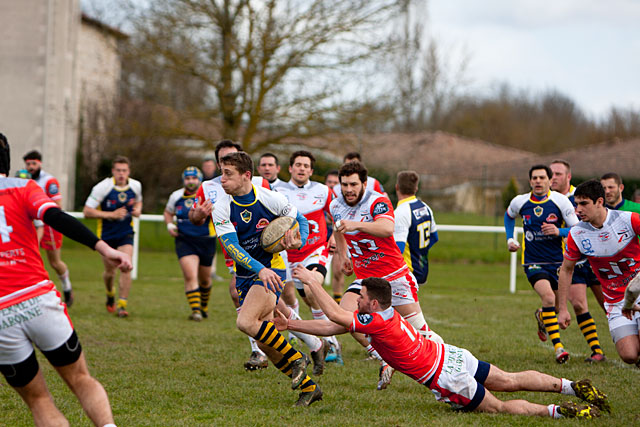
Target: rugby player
[
  {"x": 114, "y": 201},
  {"x": 30, "y": 307},
  {"x": 613, "y": 187},
  {"x": 51, "y": 240}
]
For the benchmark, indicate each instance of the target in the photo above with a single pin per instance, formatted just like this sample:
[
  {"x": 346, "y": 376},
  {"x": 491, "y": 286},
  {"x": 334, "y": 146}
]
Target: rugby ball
[{"x": 272, "y": 236}]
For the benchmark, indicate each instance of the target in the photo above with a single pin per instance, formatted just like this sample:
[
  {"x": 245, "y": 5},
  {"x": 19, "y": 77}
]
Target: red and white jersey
[
  {"x": 371, "y": 256},
  {"x": 312, "y": 200},
  {"x": 613, "y": 250},
  {"x": 50, "y": 185},
  {"x": 399, "y": 344},
  {"x": 22, "y": 273}
]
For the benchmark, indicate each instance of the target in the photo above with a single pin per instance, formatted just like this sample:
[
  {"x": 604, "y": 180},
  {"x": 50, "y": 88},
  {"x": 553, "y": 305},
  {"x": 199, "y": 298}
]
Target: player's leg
[
  {"x": 337, "y": 280},
  {"x": 596, "y": 290},
  {"x": 125, "y": 284},
  {"x": 625, "y": 333},
  {"x": 37, "y": 397},
  {"x": 543, "y": 285},
  {"x": 54, "y": 256},
  {"x": 204, "y": 287},
  {"x": 629, "y": 349},
  {"x": 492, "y": 404},
  {"x": 405, "y": 301},
  {"x": 109, "y": 276},
  {"x": 189, "y": 265},
  {"x": 578, "y": 299}
]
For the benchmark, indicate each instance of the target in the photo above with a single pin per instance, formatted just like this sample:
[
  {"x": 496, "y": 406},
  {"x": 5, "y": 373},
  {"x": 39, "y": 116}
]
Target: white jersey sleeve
[
  {"x": 403, "y": 223},
  {"x": 222, "y": 216},
  {"x": 516, "y": 204},
  {"x": 566, "y": 207},
  {"x": 276, "y": 202},
  {"x": 173, "y": 199},
  {"x": 99, "y": 192},
  {"x": 434, "y": 227},
  {"x": 136, "y": 186}
]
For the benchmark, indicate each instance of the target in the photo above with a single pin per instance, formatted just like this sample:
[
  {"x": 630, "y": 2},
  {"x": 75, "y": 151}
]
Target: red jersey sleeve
[
  {"x": 365, "y": 323},
  {"x": 52, "y": 189},
  {"x": 266, "y": 184},
  {"x": 199, "y": 197},
  {"x": 377, "y": 186},
  {"x": 37, "y": 202},
  {"x": 382, "y": 208},
  {"x": 635, "y": 223},
  {"x": 330, "y": 198},
  {"x": 571, "y": 251}
]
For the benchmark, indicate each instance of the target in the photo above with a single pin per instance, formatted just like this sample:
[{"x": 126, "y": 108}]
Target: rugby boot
[
  {"x": 561, "y": 355},
  {"x": 68, "y": 297},
  {"x": 384, "y": 378},
  {"x": 256, "y": 361},
  {"x": 122, "y": 312},
  {"x": 542, "y": 331},
  {"x": 587, "y": 392},
  {"x": 595, "y": 358},
  {"x": 318, "y": 358},
  {"x": 111, "y": 304},
  {"x": 196, "y": 316},
  {"x": 306, "y": 398},
  {"x": 577, "y": 410}
]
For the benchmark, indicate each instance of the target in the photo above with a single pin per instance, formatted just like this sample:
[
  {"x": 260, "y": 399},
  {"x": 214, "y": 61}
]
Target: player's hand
[
  {"x": 549, "y": 229},
  {"x": 280, "y": 321},
  {"x": 201, "y": 212},
  {"x": 332, "y": 245},
  {"x": 270, "y": 280},
  {"x": 347, "y": 267},
  {"x": 119, "y": 214},
  {"x": 628, "y": 312},
  {"x": 345, "y": 226},
  {"x": 292, "y": 239},
  {"x": 564, "y": 319},
  {"x": 172, "y": 229},
  {"x": 114, "y": 257},
  {"x": 512, "y": 245},
  {"x": 137, "y": 210}
]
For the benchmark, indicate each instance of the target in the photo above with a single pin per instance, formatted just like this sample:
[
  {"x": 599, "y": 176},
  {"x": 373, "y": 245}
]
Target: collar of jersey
[
  {"x": 255, "y": 194},
  {"x": 188, "y": 196},
  {"x": 539, "y": 201},
  {"x": 307, "y": 185},
  {"x": 407, "y": 200},
  {"x": 125, "y": 188}
]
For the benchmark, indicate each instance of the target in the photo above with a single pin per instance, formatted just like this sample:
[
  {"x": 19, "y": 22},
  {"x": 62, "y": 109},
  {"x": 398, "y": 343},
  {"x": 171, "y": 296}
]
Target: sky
[{"x": 588, "y": 50}]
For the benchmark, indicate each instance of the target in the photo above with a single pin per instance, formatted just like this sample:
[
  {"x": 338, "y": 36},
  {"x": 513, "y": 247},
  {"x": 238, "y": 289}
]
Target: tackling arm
[{"x": 565, "y": 277}]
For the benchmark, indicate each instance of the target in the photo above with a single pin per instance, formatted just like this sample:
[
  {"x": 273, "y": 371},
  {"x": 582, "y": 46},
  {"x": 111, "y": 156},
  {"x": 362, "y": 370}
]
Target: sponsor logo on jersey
[
  {"x": 302, "y": 196},
  {"x": 364, "y": 319},
  {"x": 245, "y": 215},
  {"x": 568, "y": 213},
  {"x": 188, "y": 203},
  {"x": 552, "y": 217},
  {"x": 53, "y": 189},
  {"x": 223, "y": 222},
  {"x": 604, "y": 236},
  {"x": 587, "y": 247},
  {"x": 380, "y": 208},
  {"x": 624, "y": 234},
  {"x": 529, "y": 236},
  {"x": 262, "y": 223},
  {"x": 420, "y": 212},
  {"x": 122, "y": 197},
  {"x": 538, "y": 211},
  {"x": 213, "y": 195},
  {"x": 286, "y": 210},
  {"x": 533, "y": 267},
  {"x": 337, "y": 217},
  {"x": 526, "y": 219}
]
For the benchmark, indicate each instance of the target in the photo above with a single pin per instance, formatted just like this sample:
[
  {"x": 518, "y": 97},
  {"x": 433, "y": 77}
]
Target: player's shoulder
[
  {"x": 135, "y": 185},
  {"x": 106, "y": 184},
  {"x": 267, "y": 195},
  {"x": 558, "y": 198},
  {"x": 176, "y": 195},
  {"x": 518, "y": 201},
  {"x": 11, "y": 182}
]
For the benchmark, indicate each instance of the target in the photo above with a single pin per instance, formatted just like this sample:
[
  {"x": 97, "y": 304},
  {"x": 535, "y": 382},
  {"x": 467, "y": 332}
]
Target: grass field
[{"x": 162, "y": 370}]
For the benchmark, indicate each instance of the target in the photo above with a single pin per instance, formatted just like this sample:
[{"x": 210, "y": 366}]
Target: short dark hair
[
  {"x": 5, "y": 155},
  {"x": 302, "y": 153},
  {"x": 378, "y": 289},
  {"x": 226, "y": 143},
  {"x": 350, "y": 168},
  {"x": 240, "y": 160},
  {"x": 612, "y": 175},
  {"x": 270, "y": 155},
  {"x": 120, "y": 159},
  {"x": 32, "y": 155},
  {"x": 546, "y": 168},
  {"x": 407, "y": 182},
  {"x": 352, "y": 155},
  {"x": 562, "y": 162},
  {"x": 591, "y": 189},
  {"x": 332, "y": 172}
]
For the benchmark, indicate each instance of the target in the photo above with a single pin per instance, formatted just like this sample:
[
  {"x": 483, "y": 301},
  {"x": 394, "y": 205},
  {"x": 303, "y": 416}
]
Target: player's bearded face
[
  {"x": 33, "y": 166},
  {"x": 352, "y": 189},
  {"x": 611, "y": 191},
  {"x": 191, "y": 183},
  {"x": 364, "y": 303}
]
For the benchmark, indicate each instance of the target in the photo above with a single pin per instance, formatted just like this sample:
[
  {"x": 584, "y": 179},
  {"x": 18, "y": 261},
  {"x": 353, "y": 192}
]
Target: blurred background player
[
  {"x": 613, "y": 188},
  {"x": 195, "y": 244},
  {"x": 543, "y": 211},
  {"x": 269, "y": 168},
  {"x": 208, "y": 168},
  {"x": 583, "y": 277},
  {"x": 51, "y": 240},
  {"x": 337, "y": 278},
  {"x": 114, "y": 201},
  {"x": 415, "y": 227},
  {"x": 239, "y": 217},
  {"x": 372, "y": 183},
  {"x": 27, "y": 294}
]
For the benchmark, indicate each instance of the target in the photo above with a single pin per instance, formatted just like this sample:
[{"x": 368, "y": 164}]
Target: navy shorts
[
  {"x": 243, "y": 284},
  {"x": 204, "y": 247},
  {"x": 115, "y": 243},
  {"x": 582, "y": 273},
  {"x": 537, "y": 272}
]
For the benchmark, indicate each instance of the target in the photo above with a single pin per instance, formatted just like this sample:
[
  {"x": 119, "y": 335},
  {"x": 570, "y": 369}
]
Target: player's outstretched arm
[
  {"x": 322, "y": 328},
  {"x": 565, "y": 276},
  {"x": 118, "y": 259},
  {"x": 334, "y": 312}
]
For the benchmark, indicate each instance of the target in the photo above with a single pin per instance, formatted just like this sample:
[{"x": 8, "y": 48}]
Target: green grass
[{"x": 162, "y": 370}]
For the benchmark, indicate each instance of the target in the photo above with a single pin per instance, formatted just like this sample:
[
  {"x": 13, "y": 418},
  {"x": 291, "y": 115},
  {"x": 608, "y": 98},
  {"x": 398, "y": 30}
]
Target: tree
[{"x": 265, "y": 69}]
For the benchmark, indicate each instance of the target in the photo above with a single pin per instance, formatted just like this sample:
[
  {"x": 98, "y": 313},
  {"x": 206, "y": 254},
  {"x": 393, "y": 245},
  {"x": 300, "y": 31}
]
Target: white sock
[
  {"x": 254, "y": 346},
  {"x": 373, "y": 352},
  {"x": 109, "y": 425},
  {"x": 295, "y": 307},
  {"x": 566, "y": 387},
  {"x": 314, "y": 343},
  {"x": 66, "y": 283},
  {"x": 318, "y": 314},
  {"x": 553, "y": 411}
]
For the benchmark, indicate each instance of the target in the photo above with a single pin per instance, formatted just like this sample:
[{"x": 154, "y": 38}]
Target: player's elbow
[{"x": 87, "y": 212}]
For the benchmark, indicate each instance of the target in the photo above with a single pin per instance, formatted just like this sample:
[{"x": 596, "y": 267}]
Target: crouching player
[
  {"x": 453, "y": 374},
  {"x": 30, "y": 306}
]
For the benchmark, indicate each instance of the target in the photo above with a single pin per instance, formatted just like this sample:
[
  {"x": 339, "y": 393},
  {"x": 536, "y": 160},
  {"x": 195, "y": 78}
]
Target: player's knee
[{"x": 629, "y": 358}]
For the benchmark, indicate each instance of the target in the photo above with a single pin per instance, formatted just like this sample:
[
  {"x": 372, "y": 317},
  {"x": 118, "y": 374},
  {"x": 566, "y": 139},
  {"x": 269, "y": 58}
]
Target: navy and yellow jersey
[
  {"x": 248, "y": 221},
  {"x": 416, "y": 230},
  {"x": 554, "y": 208},
  {"x": 180, "y": 204},
  {"x": 106, "y": 196}
]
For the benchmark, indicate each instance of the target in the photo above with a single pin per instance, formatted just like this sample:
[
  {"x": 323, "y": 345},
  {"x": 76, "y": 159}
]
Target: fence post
[{"x": 136, "y": 247}]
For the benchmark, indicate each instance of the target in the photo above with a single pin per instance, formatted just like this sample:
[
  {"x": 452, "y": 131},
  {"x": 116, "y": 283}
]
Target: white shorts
[
  {"x": 460, "y": 382},
  {"x": 41, "y": 320},
  {"x": 313, "y": 258},
  {"x": 620, "y": 326},
  {"x": 404, "y": 289}
]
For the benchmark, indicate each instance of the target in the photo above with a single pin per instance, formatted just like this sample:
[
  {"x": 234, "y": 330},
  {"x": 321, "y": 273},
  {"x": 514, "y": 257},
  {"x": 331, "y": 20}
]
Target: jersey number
[
  {"x": 408, "y": 331},
  {"x": 355, "y": 249},
  {"x": 618, "y": 268},
  {"x": 5, "y": 229},
  {"x": 424, "y": 230},
  {"x": 313, "y": 227}
]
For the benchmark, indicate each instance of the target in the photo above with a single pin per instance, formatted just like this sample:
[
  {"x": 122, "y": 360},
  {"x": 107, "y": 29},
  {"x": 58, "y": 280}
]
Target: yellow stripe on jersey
[
  {"x": 406, "y": 254},
  {"x": 99, "y": 229}
]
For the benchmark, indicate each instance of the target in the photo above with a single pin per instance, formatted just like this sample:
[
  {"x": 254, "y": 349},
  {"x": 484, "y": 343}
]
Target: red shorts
[{"x": 51, "y": 239}]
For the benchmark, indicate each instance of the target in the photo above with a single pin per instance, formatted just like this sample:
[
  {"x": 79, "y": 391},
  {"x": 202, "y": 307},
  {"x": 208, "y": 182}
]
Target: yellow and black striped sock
[
  {"x": 337, "y": 297},
  {"x": 111, "y": 296},
  {"x": 204, "y": 298},
  {"x": 285, "y": 367},
  {"x": 122, "y": 303},
  {"x": 588, "y": 328},
  {"x": 194, "y": 299},
  {"x": 269, "y": 335},
  {"x": 551, "y": 325}
]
